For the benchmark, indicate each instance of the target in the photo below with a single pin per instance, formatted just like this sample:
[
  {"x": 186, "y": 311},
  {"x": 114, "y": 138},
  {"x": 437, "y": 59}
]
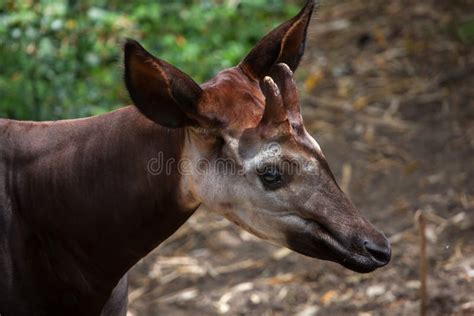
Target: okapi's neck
[{"x": 91, "y": 193}]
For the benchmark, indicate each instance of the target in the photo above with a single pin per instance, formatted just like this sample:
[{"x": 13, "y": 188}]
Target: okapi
[{"x": 79, "y": 205}]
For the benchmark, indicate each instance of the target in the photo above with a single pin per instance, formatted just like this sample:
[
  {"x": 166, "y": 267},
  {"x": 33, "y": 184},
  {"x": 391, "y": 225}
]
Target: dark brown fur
[{"x": 78, "y": 208}]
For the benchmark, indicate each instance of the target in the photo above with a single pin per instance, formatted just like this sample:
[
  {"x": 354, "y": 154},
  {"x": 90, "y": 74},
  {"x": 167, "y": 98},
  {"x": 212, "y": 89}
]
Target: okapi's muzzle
[
  {"x": 358, "y": 253},
  {"x": 344, "y": 237}
]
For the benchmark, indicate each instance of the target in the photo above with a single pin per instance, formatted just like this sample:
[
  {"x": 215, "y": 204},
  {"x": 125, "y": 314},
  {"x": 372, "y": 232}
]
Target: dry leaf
[{"x": 328, "y": 297}]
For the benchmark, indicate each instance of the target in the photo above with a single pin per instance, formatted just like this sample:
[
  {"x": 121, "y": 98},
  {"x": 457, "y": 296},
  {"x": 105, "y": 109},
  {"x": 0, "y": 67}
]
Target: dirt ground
[{"x": 388, "y": 91}]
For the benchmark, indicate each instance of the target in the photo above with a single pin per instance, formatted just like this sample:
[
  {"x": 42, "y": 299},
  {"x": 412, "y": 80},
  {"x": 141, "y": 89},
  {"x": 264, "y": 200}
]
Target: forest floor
[{"x": 388, "y": 92}]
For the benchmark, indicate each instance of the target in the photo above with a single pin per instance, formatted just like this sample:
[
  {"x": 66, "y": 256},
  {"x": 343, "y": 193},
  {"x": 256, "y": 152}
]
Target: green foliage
[
  {"x": 465, "y": 31},
  {"x": 59, "y": 58}
]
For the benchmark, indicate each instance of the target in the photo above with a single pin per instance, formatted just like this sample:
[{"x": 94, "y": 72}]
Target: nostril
[{"x": 381, "y": 254}]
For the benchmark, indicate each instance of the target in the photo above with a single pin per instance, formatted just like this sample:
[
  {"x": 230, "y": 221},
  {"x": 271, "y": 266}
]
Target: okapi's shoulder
[{"x": 6, "y": 130}]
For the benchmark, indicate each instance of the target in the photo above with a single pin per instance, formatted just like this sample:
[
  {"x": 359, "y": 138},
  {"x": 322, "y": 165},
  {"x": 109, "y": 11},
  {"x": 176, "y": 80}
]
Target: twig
[
  {"x": 455, "y": 75},
  {"x": 420, "y": 219},
  {"x": 340, "y": 105}
]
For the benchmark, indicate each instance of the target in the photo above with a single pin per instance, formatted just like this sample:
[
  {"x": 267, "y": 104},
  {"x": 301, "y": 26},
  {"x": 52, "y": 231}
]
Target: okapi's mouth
[{"x": 317, "y": 241}]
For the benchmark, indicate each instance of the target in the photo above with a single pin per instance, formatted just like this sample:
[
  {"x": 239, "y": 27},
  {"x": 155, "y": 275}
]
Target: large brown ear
[
  {"x": 160, "y": 91},
  {"x": 285, "y": 44}
]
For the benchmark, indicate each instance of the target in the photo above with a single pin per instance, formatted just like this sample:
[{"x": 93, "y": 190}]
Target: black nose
[{"x": 380, "y": 253}]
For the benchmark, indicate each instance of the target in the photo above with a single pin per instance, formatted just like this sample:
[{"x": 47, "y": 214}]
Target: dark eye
[{"x": 271, "y": 176}]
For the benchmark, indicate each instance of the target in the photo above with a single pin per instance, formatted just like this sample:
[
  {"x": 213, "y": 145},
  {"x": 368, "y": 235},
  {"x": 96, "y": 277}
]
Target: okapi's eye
[{"x": 271, "y": 177}]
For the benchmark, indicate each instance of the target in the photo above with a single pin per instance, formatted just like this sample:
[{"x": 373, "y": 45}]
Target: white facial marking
[
  {"x": 241, "y": 197},
  {"x": 314, "y": 143},
  {"x": 231, "y": 141},
  {"x": 271, "y": 151}
]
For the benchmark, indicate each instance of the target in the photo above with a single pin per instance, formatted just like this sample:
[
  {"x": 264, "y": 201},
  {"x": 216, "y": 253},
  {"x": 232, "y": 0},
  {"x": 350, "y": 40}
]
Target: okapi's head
[{"x": 257, "y": 164}]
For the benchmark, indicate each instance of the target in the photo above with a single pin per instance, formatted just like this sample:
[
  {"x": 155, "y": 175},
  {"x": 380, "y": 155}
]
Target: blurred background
[
  {"x": 387, "y": 89},
  {"x": 62, "y": 58}
]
